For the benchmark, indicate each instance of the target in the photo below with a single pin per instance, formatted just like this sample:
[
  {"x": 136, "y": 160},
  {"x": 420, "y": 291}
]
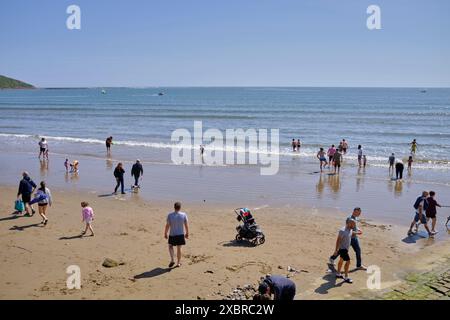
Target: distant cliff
[{"x": 8, "y": 83}]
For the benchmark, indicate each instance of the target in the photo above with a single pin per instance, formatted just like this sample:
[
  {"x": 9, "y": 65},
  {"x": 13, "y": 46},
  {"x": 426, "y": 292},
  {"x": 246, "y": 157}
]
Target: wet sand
[{"x": 34, "y": 258}]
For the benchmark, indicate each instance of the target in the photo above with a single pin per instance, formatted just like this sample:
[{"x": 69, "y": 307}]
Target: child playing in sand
[{"x": 88, "y": 216}]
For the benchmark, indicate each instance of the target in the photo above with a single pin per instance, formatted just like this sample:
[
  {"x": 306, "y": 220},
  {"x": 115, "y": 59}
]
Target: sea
[{"x": 76, "y": 122}]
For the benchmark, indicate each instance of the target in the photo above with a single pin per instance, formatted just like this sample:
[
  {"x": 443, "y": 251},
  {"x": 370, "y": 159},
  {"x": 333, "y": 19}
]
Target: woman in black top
[{"x": 118, "y": 173}]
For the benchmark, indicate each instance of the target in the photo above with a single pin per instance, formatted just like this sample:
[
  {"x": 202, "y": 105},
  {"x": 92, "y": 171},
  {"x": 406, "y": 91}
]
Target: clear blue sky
[{"x": 226, "y": 43}]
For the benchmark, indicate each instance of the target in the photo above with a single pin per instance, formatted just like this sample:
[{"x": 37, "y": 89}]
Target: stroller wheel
[
  {"x": 255, "y": 241},
  {"x": 262, "y": 239},
  {"x": 238, "y": 237}
]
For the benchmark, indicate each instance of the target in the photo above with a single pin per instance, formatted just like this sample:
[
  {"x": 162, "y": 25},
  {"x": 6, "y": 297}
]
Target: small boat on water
[
  {"x": 423, "y": 91},
  {"x": 103, "y": 91},
  {"x": 160, "y": 93}
]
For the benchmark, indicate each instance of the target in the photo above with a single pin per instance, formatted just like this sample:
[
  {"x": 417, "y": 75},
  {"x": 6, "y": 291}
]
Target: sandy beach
[{"x": 34, "y": 258}]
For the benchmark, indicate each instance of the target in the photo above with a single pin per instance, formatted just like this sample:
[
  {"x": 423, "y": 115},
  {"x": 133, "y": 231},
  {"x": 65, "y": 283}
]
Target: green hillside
[{"x": 8, "y": 83}]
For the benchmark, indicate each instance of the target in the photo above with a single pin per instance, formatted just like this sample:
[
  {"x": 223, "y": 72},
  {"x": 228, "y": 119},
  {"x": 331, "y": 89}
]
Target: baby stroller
[{"x": 249, "y": 230}]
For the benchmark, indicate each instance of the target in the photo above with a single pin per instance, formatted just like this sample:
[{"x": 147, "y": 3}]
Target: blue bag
[{"x": 19, "y": 206}]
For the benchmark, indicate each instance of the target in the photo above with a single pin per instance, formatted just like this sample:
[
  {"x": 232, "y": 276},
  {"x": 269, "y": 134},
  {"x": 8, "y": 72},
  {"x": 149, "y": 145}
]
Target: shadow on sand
[
  {"x": 234, "y": 243},
  {"x": 153, "y": 273},
  {"x": 12, "y": 216},
  {"x": 331, "y": 282},
  {"x": 21, "y": 228},
  {"x": 78, "y": 236}
]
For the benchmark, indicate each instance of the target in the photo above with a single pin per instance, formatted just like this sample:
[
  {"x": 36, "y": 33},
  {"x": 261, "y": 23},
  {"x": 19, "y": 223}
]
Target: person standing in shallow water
[
  {"x": 413, "y": 146},
  {"x": 322, "y": 159},
  {"x": 108, "y": 143},
  {"x": 294, "y": 145},
  {"x": 137, "y": 171},
  {"x": 118, "y": 174},
  {"x": 399, "y": 167}
]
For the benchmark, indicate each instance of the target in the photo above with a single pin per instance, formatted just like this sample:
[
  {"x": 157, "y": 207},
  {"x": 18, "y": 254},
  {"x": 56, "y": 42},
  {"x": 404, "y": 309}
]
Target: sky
[{"x": 226, "y": 43}]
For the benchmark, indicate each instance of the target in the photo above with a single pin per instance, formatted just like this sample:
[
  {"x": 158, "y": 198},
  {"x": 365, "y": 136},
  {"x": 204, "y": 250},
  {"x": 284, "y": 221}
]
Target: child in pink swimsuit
[{"x": 88, "y": 216}]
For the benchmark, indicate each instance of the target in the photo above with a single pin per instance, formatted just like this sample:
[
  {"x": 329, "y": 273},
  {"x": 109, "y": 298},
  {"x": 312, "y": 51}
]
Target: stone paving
[{"x": 432, "y": 285}]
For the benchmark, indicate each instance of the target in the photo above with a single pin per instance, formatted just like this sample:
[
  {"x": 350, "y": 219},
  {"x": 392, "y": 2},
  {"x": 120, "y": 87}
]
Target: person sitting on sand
[
  {"x": 421, "y": 206},
  {"x": 177, "y": 224},
  {"x": 342, "y": 245},
  {"x": 87, "y": 215},
  {"x": 322, "y": 159},
  {"x": 280, "y": 287}
]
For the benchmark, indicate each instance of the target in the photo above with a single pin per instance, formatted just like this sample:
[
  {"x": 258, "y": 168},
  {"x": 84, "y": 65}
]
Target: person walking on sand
[
  {"x": 43, "y": 148},
  {"x": 337, "y": 158},
  {"x": 421, "y": 205},
  {"x": 108, "y": 143},
  {"x": 431, "y": 211},
  {"x": 177, "y": 224},
  {"x": 342, "y": 245},
  {"x": 330, "y": 153},
  {"x": 360, "y": 155},
  {"x": 322, "y": 159},
  {"x": 399, "y": 167},
  {"x": 87, "y": 215},
  {"x": 413, "y": 146},
  {"x": 43, "y": 197},
  {"x": 137, "y": 171},
  {"x": 118, "y": 174},
  {"x": 280, "y": 287},
  {"x": 26, "y": 188},
  {"x": 354, "y": 241},
  {"x": 391, "y": 163}
]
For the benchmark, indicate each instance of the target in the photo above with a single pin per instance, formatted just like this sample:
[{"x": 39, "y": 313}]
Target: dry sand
[{"x": 34, "y": 258}]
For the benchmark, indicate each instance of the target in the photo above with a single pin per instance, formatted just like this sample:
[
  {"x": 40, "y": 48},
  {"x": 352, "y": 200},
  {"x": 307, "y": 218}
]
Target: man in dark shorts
[
  {"x": 337, "y": 158},
  {"x": 26, "y": 188},
  {"x": 431, "y": 211},
  {"x": 280, "y": 287},
  {"x": 177, "y": 223},
  {"x": 342, "y": 245}
]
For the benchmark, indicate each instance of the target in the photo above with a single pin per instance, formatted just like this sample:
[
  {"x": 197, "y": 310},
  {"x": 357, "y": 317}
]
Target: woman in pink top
[
  {"x": 330, "y": 154},
  {"x": 88, "y": 216}
]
